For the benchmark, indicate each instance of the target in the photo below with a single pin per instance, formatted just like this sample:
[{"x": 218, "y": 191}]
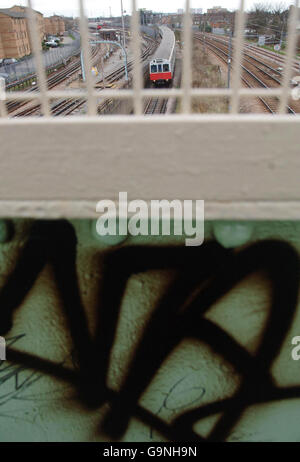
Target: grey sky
[{"x": 101, "y": 7}]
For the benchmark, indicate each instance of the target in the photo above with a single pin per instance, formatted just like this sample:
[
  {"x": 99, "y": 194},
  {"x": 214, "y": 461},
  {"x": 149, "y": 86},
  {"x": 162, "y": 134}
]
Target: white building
[
  {"x": 193, "y": 11},
  {"x": 196, "y": 10}
]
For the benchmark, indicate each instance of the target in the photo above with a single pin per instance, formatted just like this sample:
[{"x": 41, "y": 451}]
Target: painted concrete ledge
[{"x": 242, "y": 166}]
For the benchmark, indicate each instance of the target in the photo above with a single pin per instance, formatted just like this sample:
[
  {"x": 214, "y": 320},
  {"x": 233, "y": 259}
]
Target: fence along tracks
[{"x": 52, "y": 81}]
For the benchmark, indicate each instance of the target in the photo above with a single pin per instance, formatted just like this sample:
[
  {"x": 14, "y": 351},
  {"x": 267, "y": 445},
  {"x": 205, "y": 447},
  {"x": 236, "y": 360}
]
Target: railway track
[
  {"x": 112, "y": 78},
  {"x": 156, "y": 106},
  {"x": 255, "y": 73},
  {"x": 270, "y": 55},
  {"x": 33, "y": 76},
  {"x": 115, "y": 75},
  {"x": 68, "y": 106},
  {"x": 52, "y": 82}
]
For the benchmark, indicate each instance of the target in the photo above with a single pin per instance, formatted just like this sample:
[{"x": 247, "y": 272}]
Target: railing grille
[{"x": 137, "y": 93}]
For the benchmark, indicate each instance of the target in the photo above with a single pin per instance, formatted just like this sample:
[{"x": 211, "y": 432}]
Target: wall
[
  {"x": 66, "y": 400},
  {"x": 2, "y": 55},
  {"x": 54, "y": 25}
]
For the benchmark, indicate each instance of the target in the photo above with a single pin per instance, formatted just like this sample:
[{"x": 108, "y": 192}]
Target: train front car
[
  {"x": 160, "y": 71},
  {"x": 162, "y": 65}
]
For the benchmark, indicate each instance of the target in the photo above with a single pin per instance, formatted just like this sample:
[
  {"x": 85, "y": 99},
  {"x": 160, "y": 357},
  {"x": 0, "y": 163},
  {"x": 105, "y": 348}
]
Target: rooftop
[
  {"x": 12, "y": 14},
  {"x": 16, "y": 14}
]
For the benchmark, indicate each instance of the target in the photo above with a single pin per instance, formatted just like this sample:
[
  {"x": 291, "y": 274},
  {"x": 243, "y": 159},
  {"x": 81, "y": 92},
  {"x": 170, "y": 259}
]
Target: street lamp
[
  {"x": 123, "y": 25},
  {"x": 229, "y": 58}
]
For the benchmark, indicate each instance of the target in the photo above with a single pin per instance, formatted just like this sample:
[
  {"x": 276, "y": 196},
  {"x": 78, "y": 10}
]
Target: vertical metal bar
[
  {"x": 291, "y": 50},
  {"x": 187, "y": 60},
  {"x": 237, "y": 57},
  {"x": 87, "y": 62},
  {"x": 3, "y": 110},
  {"x": 137, "y": 70},
  {"x": 40, "y": 71}
]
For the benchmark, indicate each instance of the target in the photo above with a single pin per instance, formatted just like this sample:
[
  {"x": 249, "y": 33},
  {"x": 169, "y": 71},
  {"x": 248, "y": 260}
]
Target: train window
[
  {"x": 166, "y": 67},
  {"x": 159, "y": 68},
  {"x": 153, "y": 68}
]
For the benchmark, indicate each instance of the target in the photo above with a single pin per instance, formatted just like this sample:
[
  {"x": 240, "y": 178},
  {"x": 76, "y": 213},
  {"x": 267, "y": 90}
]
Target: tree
[
  {"x": 279, "y": 19},
  {"x": 268, "y": 18}
]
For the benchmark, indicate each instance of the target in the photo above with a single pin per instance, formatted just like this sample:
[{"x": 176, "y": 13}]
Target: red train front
[{"x": 160, "y": 71}]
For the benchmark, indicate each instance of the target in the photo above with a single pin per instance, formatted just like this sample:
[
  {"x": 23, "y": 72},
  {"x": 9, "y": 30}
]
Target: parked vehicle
[
  {"x": 8, "y": 61},
  {"x": 51, "y": 44}
]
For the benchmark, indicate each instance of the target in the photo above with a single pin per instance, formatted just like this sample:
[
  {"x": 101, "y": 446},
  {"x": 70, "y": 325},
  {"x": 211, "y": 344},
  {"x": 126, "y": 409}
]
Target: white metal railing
[
  {"x": 137, "y": 93},
  {"x": 245, "y": 166}
]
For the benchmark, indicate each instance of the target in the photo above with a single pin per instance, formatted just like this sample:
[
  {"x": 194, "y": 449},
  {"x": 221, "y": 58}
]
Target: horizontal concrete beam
[{"x": 229, "y": 161}]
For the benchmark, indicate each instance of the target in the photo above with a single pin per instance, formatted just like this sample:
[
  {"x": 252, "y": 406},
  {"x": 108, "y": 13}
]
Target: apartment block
[
  {"x": 1, "y": 48},
  {"x": 54, "y": 25},
  {"x": 14, "y": 37},
  {"x": 216, "y": 10},
  {"x": 39, "y": 20}
]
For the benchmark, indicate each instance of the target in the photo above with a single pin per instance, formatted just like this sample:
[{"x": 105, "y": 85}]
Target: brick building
[
  {"x": 216, "y": 10},
  {"x": 39, "y": 20},
  {"x": 107, "y": 34},
  {"x": 14, "y": 38},
  {"x": 219, "y": 18},
  {"x": 1, "y": 48},
  {"x": 54, "y": 25},
  {"x": 15, "y": 31}
]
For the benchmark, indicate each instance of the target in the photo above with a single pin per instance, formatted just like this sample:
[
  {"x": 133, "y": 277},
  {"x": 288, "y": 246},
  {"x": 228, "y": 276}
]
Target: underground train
[{"x": 162, "y": 65}]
